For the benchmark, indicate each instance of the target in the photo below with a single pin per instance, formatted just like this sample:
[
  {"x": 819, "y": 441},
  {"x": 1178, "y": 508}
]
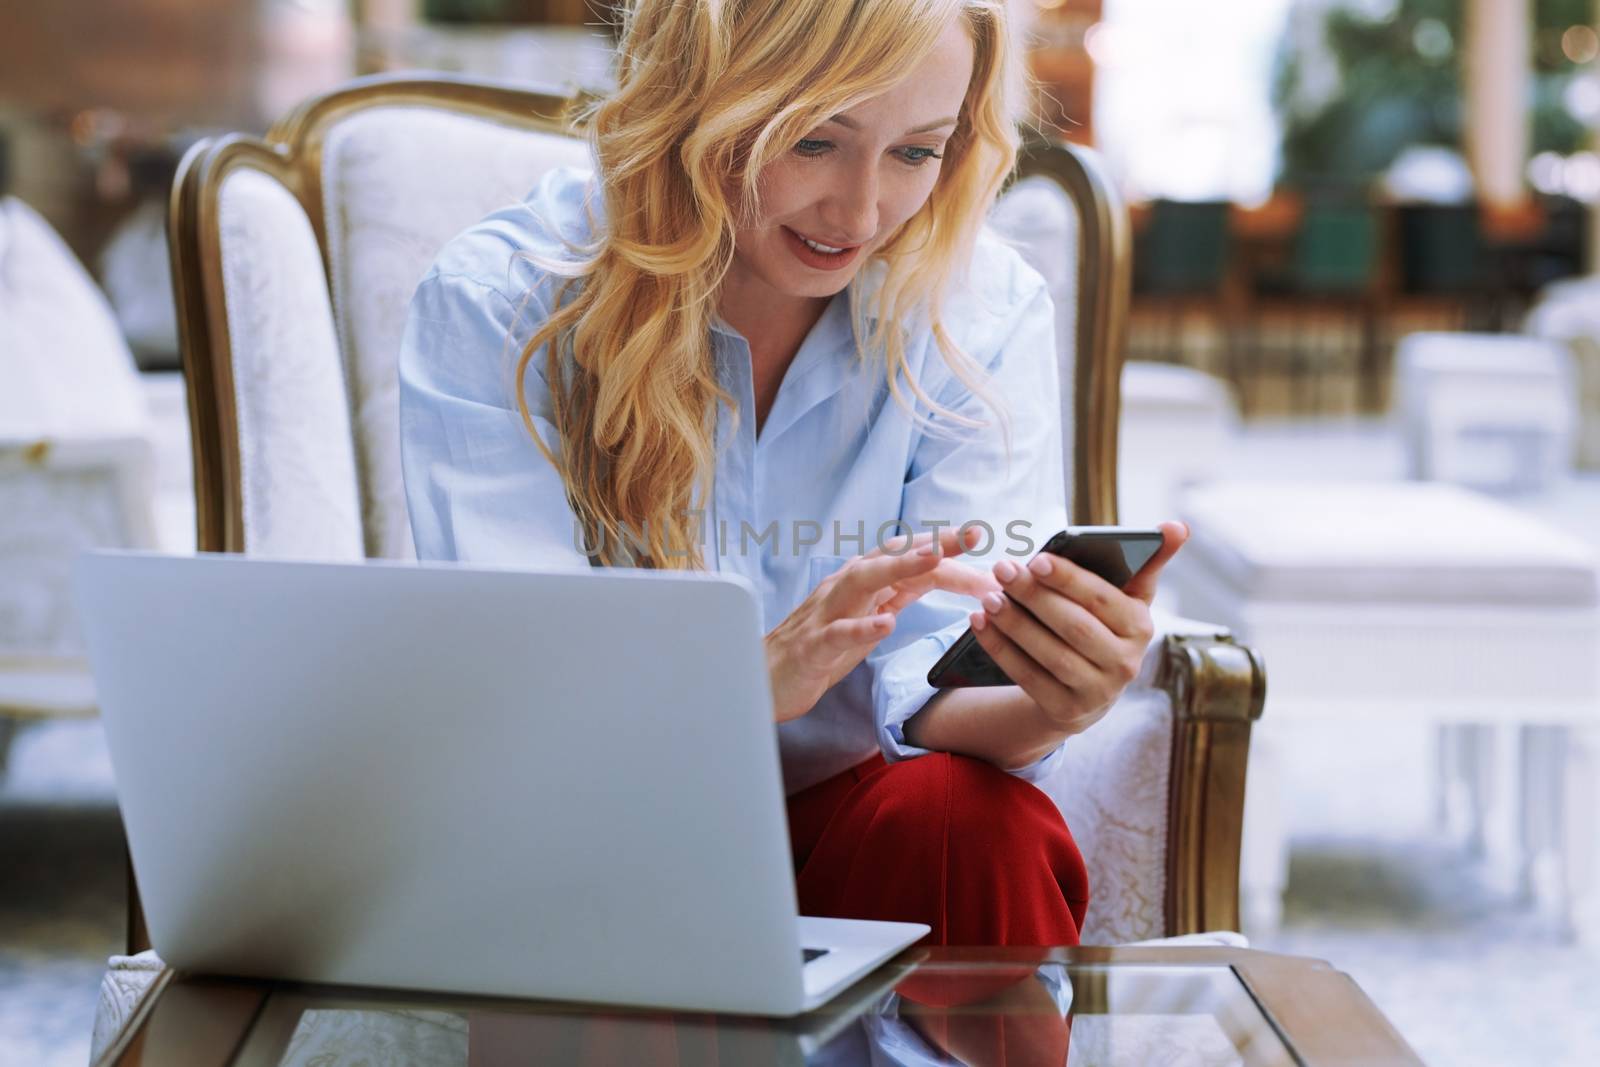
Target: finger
[
  {"x": 1076, "y": 667},
  {"x": 951, "y": 542},
  {"x": 861, "y": 581},
  {"x": 862, "y": 578},
  {"x": 1120, "y": 613},
  {"x": 897, "y": 602},
  {"x": 841, "y": 635},
  {"x": 1047, "y": 690},
  {"x": 952, "y": 576},
  {"x": 1143, "y": 584}
]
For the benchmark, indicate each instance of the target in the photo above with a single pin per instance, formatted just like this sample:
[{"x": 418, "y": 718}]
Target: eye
[
  {"x": 811, "y": 147},
  {"x": 916, "y": 157}
]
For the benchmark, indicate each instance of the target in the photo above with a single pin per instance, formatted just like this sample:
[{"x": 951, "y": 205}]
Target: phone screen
[{"x": 1115, "y": 553}]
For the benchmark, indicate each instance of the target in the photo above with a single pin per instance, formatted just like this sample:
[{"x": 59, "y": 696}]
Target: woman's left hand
[{"x": 1084, "y": 639}]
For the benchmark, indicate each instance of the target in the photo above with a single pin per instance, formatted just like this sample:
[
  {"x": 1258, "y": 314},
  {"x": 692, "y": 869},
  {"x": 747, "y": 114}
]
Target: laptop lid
[{"x": 459, "y": 778}]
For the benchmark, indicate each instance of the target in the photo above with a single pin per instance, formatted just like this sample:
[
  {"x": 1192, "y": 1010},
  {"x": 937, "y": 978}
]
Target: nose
[{"x": 851, "y": 208}]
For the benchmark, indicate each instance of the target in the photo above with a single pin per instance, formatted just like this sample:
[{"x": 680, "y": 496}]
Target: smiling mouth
[
  {"x": 819, "y": 255},
  {"x": 825, "y": 249}
]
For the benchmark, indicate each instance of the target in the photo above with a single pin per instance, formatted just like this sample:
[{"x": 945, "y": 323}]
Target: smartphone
[{"x": 1115, "y": 553}]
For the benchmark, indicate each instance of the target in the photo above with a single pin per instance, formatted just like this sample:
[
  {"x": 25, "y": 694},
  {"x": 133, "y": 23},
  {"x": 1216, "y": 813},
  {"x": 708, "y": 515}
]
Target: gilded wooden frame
[
  {"x": 1104, "y": 264},
  {"x": 1217, "y": 686}
]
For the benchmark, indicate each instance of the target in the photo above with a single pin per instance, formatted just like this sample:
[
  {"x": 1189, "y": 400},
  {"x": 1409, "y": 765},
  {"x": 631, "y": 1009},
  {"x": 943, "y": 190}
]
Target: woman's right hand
[{"x": 854, "y": 608}]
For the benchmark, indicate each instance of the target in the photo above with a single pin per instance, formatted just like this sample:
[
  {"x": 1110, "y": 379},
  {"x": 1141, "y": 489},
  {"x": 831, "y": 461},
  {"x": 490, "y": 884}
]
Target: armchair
[
  {"x": 294, "y": 259},
  {"x": 76, "y": 464}
]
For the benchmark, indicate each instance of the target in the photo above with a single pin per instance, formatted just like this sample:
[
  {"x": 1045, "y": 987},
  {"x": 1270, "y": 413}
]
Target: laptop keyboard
[{"x": 810, "y": 954}]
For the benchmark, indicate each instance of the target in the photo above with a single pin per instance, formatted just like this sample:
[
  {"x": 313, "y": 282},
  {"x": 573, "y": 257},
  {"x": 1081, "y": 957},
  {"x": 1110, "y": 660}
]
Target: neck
[{"x": 768, "y": 320}]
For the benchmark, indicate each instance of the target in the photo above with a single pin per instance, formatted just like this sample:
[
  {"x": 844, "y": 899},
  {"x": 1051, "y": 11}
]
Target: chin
[{"x": 815, "y": 287}]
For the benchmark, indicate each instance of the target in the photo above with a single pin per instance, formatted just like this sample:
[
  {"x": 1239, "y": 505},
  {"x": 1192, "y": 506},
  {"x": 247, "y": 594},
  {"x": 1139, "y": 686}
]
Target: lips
[{"x": 818, "y": 260}]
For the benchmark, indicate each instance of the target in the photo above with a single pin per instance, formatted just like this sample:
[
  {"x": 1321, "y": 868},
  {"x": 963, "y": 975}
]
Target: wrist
[{"x": 782, "y": 703}]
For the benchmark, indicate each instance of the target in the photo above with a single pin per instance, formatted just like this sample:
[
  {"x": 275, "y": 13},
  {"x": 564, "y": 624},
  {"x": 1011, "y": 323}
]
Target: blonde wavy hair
[{"x": 709, "y": 92}]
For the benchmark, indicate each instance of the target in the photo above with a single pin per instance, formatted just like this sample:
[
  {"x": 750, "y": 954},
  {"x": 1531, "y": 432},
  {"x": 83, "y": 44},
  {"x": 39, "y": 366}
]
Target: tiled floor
[{"x": 62, "y": 901}]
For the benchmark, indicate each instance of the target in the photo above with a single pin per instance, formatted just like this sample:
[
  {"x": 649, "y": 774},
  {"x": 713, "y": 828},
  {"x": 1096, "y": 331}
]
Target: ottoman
[
  {"x": 1412, "y": 599},
  {"x": 1175, "y": 430},
  {"x": 1497, "y": 412}
]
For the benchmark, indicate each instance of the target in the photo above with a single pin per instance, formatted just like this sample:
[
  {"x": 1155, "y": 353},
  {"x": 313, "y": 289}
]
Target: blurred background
[{"x": 1364, "y": 238}]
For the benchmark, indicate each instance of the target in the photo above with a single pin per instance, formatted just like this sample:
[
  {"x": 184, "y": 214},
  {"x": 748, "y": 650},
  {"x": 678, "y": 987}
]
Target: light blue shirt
[{"x": 837, "y": 460}]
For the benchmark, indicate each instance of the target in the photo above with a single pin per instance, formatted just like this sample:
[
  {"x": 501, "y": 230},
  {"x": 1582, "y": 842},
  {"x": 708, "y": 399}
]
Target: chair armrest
[
  {"x": 1169, "y": 625},
  {"x": 1217, "y": 688},
  {"x": 1145, "y": 792},
  {"x": 126, "y": 990}
]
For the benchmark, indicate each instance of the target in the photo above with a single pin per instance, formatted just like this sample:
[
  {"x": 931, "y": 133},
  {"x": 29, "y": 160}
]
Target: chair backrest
[
  {"x": 295, "y": 258},
  {"x": 1064, "y": 214}
]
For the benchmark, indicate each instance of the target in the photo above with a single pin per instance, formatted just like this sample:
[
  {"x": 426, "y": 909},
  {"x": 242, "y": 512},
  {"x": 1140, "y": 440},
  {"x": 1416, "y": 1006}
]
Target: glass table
[{"x": 1132, "y": 1005}]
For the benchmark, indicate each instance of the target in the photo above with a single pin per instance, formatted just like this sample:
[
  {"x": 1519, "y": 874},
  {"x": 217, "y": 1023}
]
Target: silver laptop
[{"x": 559, "y": 785}]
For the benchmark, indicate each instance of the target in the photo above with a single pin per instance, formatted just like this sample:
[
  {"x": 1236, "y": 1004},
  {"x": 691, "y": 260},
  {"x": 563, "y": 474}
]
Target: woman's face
[{"x": 852, "y": 181}]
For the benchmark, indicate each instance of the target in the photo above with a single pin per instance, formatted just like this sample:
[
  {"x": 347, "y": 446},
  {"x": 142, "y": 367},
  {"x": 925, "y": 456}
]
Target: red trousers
[{"x": 980, "y": 855}]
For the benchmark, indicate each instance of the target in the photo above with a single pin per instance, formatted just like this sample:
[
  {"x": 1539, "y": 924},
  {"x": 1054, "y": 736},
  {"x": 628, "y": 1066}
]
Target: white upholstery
[
  {"x": 1568, "y": 311},
  {"x": 295, "y": 449},
  {"x": 62, "y": 496},
  {"x": 1450, "y": 602},
  {"x": 398, "y": 183},
  {"x": 75, "y": 459},
  {"x": 1112, "y": 791},
  {"x": 126, "y": 982},
  {"x": 1175, "y": 429},
  {"x": 1493, "y": 411},
  {"x": 168, "y": 403},
  {"x": 1036, "y": 217},
  {"x": 64, "y": 367},
  {"x": 1381, "y": 542}
]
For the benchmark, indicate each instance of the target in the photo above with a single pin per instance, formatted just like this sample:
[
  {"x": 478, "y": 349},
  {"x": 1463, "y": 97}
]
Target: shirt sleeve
[
  {"x": 969, "y": 479},
  {"x": 478, "y": 488}
]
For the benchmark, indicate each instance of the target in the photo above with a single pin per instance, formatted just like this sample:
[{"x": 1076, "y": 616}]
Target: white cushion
[
  {"x": 399, "y": 182},
  {"x": 1495, "y": 411},
  {"x": 1037, "y": 218},
  {"x": 74, "y": 444},
  {"x": 1168, "y": 387},
  {"x": 65, "y": 370},
  {"x": 1380, "y": 542},
  {"x": 295, "y": 454},
  {"x": 1175, "y": 428}
]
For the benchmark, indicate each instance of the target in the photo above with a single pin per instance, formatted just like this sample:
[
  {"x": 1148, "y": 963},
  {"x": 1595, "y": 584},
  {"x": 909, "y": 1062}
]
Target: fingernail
[
  {"x": 993, "y": 602},
  {"x": 1006, "y": 571},
  {"x": 978, "y": 621},
  {"x": 928, "y": 549},
  {"x": 1040, "y": 564}
]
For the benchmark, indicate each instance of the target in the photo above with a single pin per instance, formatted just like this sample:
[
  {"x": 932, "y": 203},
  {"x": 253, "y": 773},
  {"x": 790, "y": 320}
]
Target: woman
[{"x": 767, "y": 329}]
